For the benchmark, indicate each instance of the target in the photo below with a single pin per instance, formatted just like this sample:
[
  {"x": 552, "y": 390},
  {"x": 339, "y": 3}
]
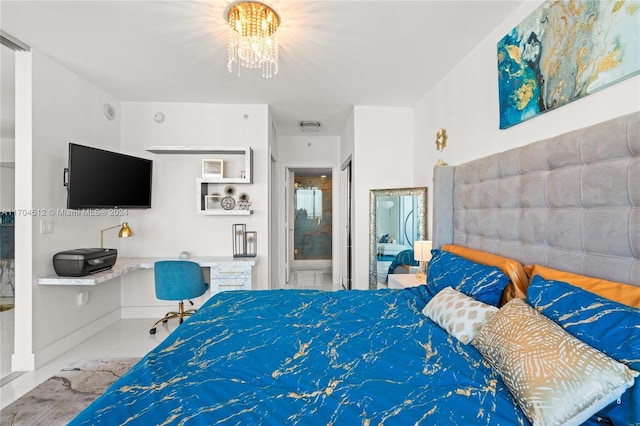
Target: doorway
[{"x": 310, "y": 217}]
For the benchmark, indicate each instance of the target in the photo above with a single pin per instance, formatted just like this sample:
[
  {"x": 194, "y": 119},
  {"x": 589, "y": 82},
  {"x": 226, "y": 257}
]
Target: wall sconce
[
  {"x": 441, "y": 143},
  {"x": 422, "y": 253},
  {"x": 125, "y": 232}
]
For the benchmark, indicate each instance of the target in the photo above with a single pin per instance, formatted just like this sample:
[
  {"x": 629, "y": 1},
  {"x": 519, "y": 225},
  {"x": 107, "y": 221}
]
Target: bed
[
  {"x": 390, "y": 249},
  {"x": 396, "y": 357}
]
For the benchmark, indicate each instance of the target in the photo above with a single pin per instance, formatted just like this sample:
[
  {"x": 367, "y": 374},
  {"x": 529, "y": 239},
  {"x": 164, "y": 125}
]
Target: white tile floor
[
  {"x": 125, "y": 338},
  {"x": 131, "y": 338}
]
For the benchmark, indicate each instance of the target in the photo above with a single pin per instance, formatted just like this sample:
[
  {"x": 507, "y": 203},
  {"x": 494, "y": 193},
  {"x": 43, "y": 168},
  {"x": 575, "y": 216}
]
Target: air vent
[{"x": 309, "y": 126}]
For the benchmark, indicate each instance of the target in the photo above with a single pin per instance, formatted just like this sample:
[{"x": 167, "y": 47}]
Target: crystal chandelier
[{"x": 253, "y": 37}]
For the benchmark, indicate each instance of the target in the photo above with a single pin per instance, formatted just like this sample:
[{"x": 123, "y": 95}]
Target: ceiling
[{"x": 333, "y": 54}]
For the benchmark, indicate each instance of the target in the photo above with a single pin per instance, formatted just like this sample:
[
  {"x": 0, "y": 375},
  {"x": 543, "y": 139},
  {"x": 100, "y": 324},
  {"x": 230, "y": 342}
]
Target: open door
[
  {"x": 346, "y": 237},
  {"x": 288, "y": 223}
]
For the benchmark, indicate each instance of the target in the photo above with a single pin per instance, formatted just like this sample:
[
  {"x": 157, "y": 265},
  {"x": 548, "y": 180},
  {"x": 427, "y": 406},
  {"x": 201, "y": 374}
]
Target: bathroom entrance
[{"x": 310, "y": 214}]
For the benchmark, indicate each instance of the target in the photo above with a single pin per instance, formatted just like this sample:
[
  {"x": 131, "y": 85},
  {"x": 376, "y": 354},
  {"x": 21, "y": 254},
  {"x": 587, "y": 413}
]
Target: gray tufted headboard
[{"x": 571, "y": 202}]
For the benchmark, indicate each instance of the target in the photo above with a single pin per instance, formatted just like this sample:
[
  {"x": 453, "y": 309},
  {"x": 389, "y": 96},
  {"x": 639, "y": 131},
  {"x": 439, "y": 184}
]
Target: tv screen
[{"x": 105, "y": 179}]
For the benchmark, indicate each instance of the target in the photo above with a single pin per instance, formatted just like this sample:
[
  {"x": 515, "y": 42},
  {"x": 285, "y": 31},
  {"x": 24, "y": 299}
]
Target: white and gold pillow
[
  {"x": 460, "y": 315},
  {"x": 556, "y": 378}
]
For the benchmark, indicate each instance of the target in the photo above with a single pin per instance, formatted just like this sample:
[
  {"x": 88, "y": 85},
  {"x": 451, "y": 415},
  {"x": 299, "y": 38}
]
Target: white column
[{"x": 23, "y": 358}]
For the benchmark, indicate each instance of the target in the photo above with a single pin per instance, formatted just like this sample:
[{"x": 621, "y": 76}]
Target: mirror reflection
[{"x": 397, "y": 219}]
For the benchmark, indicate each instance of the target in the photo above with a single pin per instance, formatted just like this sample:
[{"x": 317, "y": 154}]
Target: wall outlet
[
  {"x": 46, "y": 226},
  {"x": 82, "y": 298}
]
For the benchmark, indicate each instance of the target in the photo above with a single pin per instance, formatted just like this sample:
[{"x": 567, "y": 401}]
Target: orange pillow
[
  {"x": 517, "y": 288},
  {"x": 626, "y": 294}
]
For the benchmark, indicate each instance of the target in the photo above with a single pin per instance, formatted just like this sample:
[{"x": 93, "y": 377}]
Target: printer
[{"x": 84, "y": 261}]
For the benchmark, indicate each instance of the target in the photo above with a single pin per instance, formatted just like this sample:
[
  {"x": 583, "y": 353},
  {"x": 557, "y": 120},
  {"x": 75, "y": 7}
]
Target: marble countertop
[{"x": 125, "y": 265}]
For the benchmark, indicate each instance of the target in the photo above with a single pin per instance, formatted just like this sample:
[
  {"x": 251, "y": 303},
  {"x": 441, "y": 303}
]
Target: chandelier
[{"x": 253, "y": 37}]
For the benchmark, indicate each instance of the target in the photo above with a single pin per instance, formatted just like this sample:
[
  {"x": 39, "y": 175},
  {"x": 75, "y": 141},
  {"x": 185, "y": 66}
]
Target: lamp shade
[
  {"x": 125, "y": 231},
  {"x": 422, "y": 250}
]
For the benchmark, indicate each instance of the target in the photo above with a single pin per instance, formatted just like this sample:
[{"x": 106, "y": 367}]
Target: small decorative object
[
  {"x": 212, "y": 169},
  {"x": 251, "y": 238},
  {"x": 244, "y": 242},
  {"x": 228, "y": 203},
  {"x": 441, "y": 144},
  {"x": 243, "y": 202},
  {"x": 212, "y": 201},
  {"x": 184, "y": 255},
  {"x": 229, "y": 190},
  {"x": 441, "y": 139}
]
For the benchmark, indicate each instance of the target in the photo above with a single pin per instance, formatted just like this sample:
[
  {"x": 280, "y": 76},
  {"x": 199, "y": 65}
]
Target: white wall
[
  {"x": 172, "y": 224},
  {"x": 66, "y": 109},
  {"x": 313, "y": 151},
  {"x": 465, "y": 102},
  {"x": 383, "y": 158}
]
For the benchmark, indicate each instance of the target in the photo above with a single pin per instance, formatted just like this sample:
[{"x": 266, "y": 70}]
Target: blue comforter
[{"x": 287, "y": 357}]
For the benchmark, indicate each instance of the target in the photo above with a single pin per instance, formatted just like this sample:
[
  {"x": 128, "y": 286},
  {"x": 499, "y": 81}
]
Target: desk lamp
[{"x": 125, "y": 232}]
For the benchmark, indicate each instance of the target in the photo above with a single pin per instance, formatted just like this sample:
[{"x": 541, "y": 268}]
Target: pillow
[
  {"x": 608, "y": 326},
  {"x": 460, "y": 315},
  {"x": 556, "y": 378},
  {"x": 511, "y": 268},
  {"x": 622, "y": 293},
  {"x": 483, "y": 283}
]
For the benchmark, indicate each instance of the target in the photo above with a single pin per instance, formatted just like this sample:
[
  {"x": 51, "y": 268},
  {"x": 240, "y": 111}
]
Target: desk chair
[{"x": 178, "y": 280}]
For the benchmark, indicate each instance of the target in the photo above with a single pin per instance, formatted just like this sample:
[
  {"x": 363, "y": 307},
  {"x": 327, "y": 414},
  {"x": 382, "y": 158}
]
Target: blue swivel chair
[{"x": 178, "y": 280}]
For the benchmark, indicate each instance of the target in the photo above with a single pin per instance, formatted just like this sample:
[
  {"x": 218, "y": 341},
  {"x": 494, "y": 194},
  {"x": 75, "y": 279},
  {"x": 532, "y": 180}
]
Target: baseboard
[{"x": 61, "y": 346}]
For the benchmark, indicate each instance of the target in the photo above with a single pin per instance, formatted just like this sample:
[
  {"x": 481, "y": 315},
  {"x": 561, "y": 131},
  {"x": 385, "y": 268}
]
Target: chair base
[{"x": 181, "y": 314}]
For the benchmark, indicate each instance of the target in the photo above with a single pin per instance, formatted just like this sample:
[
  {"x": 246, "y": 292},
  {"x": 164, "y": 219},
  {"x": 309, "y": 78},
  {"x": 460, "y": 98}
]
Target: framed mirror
[{"x": 397, "y": 218}]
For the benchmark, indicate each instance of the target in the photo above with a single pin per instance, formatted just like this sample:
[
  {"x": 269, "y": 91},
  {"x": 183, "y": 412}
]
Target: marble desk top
[{"x": 125, "y": 265}]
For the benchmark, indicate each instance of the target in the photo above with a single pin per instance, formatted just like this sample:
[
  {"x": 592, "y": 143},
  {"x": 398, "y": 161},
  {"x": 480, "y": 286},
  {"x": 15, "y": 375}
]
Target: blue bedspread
[{"x": 308, "y": 357}]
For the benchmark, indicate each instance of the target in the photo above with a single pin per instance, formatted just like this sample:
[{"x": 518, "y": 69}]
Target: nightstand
[{"x": 403, "y": 281}]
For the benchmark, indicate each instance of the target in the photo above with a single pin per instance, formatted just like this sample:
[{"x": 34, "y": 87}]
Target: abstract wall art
[{"x": 563, "y": 51}]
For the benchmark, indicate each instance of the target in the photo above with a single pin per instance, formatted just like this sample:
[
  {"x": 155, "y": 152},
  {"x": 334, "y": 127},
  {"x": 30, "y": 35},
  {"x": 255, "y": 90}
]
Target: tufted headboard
[{"x": 571, "y": 202}]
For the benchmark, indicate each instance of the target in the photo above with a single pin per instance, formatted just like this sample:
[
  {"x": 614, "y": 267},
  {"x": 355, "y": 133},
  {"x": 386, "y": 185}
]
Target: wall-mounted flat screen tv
[{"x": 103, "y": 179}]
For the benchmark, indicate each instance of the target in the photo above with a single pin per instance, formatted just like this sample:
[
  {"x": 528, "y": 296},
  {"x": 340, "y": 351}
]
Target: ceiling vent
[{"x": 309, "y": 126}]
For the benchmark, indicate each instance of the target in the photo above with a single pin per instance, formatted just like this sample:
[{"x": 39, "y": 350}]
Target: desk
[
  {"x": 226, "y": 273},
  {"x": 403, "y": 280}
]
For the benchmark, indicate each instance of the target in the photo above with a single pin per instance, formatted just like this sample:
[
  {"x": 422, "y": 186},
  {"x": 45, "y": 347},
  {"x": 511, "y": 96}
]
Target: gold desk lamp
[{"x": 125, "y": 232}]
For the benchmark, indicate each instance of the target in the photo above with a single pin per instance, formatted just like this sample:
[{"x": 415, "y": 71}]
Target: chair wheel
[{"x": 152, "y": 331}]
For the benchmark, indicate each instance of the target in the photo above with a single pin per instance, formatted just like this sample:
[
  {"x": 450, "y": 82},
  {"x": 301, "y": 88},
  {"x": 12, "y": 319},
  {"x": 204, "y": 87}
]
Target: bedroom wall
[
  {"x": 465, "y": 102},
  {"x": 172, "y": 224},
  {"x": 66, "y": 109},
  {"x": 383, "y": 158}
]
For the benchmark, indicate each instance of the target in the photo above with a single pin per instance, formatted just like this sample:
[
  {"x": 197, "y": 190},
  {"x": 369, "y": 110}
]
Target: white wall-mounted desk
[{"x": 226, "y": 272}]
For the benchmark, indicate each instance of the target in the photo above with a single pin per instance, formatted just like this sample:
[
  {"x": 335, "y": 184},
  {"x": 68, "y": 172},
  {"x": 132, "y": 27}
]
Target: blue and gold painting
[{"x": 563, "y": 51}]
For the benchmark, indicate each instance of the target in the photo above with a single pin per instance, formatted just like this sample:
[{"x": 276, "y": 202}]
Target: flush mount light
[
  {"x": 253, "y": 37},
  {"x": 309, "y": 126}
]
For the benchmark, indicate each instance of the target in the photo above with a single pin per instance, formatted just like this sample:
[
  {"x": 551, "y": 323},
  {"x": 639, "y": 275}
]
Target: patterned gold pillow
[
  {"x": 556, "y": 378},
  {"x": 460, "y": 315}
]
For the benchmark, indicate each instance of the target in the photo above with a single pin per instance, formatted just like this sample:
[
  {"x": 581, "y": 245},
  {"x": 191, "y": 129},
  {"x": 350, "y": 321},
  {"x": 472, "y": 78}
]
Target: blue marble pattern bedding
[{"x": 288, "y": 357}]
